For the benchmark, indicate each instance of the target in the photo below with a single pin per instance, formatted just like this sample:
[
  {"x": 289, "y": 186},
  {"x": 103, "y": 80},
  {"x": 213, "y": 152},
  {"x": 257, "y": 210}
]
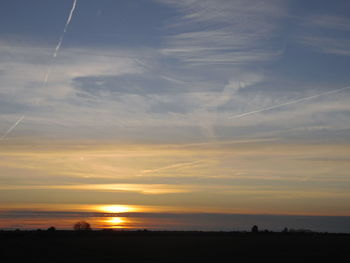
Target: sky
[{"x": 188, "y": 114}]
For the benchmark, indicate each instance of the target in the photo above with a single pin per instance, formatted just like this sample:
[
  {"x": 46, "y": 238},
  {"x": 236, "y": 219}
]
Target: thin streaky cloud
[
  {"x": 334, "y": 22},
  {"x": 223, "y": 32},
  {"x": 12, "y": 128},
  {"x": 288, "y": 103},
  {"x": 327, "y": 45},
  {"x": 174, "y": 166}
]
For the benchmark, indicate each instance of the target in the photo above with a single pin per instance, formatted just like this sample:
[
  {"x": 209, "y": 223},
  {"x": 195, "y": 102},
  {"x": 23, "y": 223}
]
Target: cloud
[
  {"x": 154, "y": 189},
  {"x": 326, "y": 33},
  {"x": 328, "y": 45},
  {"x": 7, "y": 106},
  {"x": 139, "y": 84},
  {"x": 291, "y": 102},
  {"x": 167, "y": 92},
  {"x": 223, "y": 32},
  {"x": 328, "y": 21},
  {"x": 25, "y": 67}
]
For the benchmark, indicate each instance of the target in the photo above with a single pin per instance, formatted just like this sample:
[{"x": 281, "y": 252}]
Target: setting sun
[{"x": 116, "y": 208}]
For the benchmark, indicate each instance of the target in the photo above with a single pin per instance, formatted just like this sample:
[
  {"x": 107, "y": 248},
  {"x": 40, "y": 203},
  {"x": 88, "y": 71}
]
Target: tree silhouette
[
  {"x": 285, "y": 230},
  {"x": 51, "y": 229},
  {"x": 255, "y": 229},
  {"x": 82, "y": 225}
]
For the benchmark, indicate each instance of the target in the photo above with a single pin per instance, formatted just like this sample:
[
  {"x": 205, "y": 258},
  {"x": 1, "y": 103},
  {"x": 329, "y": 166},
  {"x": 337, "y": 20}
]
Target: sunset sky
[{"x": 175, "y": 114}]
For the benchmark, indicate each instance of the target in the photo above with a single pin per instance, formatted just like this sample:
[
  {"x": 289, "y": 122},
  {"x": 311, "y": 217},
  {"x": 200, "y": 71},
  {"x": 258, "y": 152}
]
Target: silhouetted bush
[{"x": 82, "y": 225}]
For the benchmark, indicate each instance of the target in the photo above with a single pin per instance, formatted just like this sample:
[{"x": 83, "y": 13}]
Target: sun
[{"x": 116, "y": 208}]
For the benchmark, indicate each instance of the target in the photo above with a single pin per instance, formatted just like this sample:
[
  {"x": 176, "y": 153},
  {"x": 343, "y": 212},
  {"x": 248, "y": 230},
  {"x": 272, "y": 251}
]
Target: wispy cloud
[
  {"x": 327, "y": 45},
  {"x": 326, "y": 33},
  {"x": 24, "y": 70},
  {"x": 153, "y": 189},
  {"x": 224, "y": 32},
  {"x": 289, "y": 103},
  {"x": 111, "y": 92},
  {"x": 328, "y": 21},
  {"x": 176, "y": 166}
]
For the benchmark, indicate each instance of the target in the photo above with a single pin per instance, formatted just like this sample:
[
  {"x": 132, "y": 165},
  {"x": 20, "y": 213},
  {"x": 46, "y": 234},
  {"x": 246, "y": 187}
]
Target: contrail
[
  {"x": 11, "y": 128},
  {"x": 54, "y": 55},
  {"x": 287, "y": 103},
  {"x": 65, "y": 29},
  {"x": 173, "y": 166}
]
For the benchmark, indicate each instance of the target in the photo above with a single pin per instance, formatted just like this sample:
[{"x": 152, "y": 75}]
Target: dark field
[{"x": 139, "y": 246}]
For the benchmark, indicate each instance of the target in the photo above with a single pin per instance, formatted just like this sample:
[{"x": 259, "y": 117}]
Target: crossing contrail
[
  {"x": 287, "y": 103},
  {"x": 54, "y": 55},
  {"x": 11, "y": 128}
]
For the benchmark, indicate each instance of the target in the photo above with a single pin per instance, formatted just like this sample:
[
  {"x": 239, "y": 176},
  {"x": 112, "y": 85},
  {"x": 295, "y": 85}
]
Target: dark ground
[{"x": 139, "y": 246}]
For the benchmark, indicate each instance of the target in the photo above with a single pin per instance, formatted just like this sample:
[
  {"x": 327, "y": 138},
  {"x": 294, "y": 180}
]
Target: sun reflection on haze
[{"x": 115, "y": 222}]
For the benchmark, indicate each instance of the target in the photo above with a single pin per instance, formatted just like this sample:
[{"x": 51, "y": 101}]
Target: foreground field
[{"x": 149, "y": 246}]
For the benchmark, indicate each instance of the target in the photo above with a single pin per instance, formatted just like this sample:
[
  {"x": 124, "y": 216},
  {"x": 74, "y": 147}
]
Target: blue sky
[
  {"x": 176, "y": 62},
  {"x": 162, "y": 82}
]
